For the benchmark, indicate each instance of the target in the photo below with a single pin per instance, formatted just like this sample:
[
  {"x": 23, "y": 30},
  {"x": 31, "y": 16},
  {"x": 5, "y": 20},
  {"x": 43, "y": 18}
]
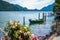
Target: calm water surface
[{"x": 37, "y": 29}]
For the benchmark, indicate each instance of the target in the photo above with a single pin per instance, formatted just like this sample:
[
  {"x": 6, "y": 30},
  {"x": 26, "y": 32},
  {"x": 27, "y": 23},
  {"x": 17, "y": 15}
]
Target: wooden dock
[{"x": 38, "y": 21}]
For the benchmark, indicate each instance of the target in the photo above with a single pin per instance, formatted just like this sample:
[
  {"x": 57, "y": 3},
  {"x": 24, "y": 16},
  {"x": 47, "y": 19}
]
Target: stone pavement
[
  {"x": 57, "y": 38},
  {"x": 53, "y": 36}
]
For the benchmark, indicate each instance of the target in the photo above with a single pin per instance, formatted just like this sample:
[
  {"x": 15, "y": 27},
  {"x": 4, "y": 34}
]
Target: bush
[{"x": 15, "y": 31}]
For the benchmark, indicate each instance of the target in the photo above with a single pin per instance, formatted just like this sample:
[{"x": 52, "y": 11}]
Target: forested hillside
[{"x": 57, "y": 6}]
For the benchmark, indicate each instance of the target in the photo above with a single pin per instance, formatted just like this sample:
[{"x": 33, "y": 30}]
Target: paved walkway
[
  {"x": 57, "y": 38},
  {"x": 53, "y": 36}
]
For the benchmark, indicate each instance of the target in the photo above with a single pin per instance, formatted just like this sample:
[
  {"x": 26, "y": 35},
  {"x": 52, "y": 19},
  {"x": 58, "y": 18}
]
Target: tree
[
  {"x": 58, "y": 1},
  {"x": 57, "y": 6}
]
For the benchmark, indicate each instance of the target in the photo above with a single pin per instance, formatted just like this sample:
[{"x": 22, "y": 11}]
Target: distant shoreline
[{"x": 22, "y": 10}]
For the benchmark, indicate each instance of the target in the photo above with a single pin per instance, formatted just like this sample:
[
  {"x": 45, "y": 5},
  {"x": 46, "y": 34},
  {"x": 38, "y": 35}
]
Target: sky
[{"x": 32, "y": 4}]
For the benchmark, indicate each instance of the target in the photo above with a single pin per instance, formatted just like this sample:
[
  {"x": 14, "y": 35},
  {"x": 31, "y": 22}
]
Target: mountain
[
  {"x": 5, "y": 6},
  {"x": 48, "y": 8},
  {"x": 20, "y": 7}
]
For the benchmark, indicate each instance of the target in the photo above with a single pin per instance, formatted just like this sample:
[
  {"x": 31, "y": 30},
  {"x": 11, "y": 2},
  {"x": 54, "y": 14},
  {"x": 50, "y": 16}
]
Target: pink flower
[
  {"x": 3, "y": 38},
  {"x": 47, "y": 38},
  {"x": 20, "y": 38},
  {"x": 33, "y": 37},
  {"x": 40, "y": 38},
  {"x": 25, "y": 33},
  {"x": 9, "y": 38}
]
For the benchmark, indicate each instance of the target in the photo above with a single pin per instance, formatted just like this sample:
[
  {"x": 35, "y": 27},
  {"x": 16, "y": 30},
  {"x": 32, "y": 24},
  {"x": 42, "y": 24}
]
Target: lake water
[{"x": 37, "y": 29}]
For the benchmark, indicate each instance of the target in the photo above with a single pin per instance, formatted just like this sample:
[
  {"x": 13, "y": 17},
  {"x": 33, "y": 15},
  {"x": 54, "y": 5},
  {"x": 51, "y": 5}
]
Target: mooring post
[
  {"x": 39, "y": 16},
  {"x": 43, "y": 16},
  {"x": 23, "y": 20}
]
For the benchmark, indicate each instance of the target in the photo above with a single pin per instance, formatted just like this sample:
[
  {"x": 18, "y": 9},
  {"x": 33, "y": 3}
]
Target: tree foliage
[{"x": 57, "y": 6}]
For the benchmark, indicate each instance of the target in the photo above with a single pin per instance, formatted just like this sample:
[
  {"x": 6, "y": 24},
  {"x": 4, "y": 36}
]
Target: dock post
[
  {"x": 23, "y": 20},
  {"x": 43, "y": 17},
  {"x": 39, "y": 16}
]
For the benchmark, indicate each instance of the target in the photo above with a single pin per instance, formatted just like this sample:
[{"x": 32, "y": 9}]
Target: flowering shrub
[{"x": 16, "y": 31}]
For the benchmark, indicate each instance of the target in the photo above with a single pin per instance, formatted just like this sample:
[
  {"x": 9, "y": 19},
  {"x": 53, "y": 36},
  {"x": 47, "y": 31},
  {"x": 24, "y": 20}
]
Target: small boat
[{"x": 40, "y": 21}]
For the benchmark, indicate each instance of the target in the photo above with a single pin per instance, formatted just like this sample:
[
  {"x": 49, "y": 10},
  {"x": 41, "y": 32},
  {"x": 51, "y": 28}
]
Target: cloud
[{"x": 33, "y": 4}]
